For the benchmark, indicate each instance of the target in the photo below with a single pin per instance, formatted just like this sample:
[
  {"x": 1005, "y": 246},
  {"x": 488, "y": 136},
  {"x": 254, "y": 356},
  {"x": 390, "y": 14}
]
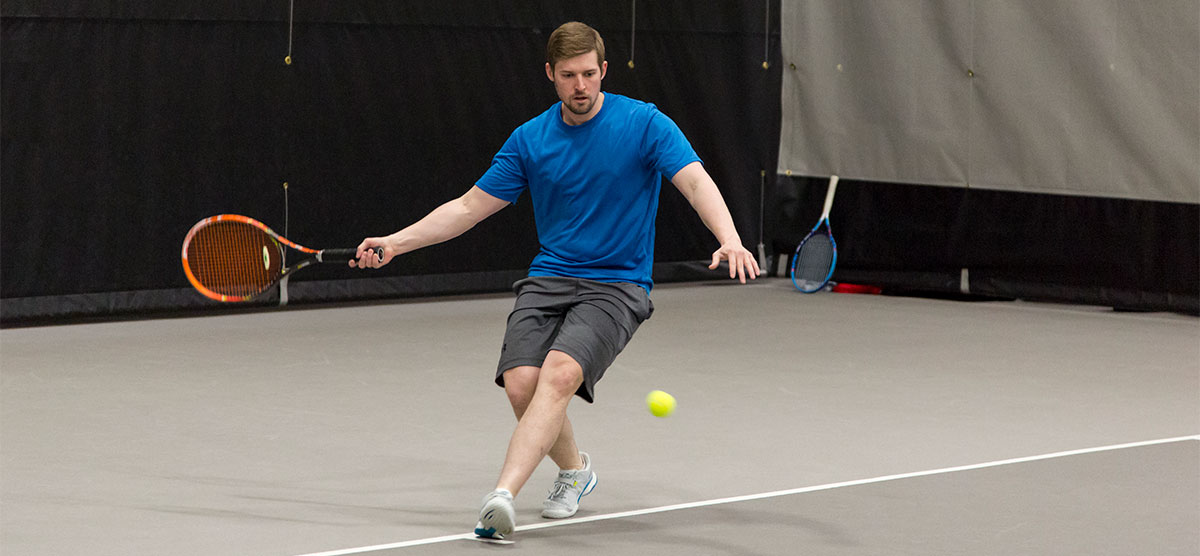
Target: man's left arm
[{"x": 702, "y": 193}]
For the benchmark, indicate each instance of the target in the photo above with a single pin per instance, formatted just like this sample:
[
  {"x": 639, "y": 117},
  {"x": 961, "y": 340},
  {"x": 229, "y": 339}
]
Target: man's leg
[
  {"x": 520, "y": 383},
  {"x": 543, "y": 422}
]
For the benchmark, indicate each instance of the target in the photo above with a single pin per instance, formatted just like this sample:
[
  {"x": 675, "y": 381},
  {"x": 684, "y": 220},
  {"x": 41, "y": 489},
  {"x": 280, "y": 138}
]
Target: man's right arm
[{"x": 445, "y": 222}]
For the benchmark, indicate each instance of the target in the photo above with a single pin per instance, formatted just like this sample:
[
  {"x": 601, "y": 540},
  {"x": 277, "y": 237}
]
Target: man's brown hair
[{"x": 572, "y": 39}]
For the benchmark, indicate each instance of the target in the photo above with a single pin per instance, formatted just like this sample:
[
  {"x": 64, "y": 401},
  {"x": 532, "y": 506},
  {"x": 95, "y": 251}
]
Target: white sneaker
[
  {"x": 496, "y": 518},
  {"x": 569, "y": 487}
]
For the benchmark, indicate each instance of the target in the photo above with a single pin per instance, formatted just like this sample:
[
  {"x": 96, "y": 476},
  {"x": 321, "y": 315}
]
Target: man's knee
[
  {"x": 520, "y": 383},
  {"x": 561, "y": 374}
]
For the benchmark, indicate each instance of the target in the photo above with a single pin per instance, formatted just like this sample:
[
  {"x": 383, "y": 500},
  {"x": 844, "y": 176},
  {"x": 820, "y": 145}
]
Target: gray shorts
[{"x": 588, "y": 320}]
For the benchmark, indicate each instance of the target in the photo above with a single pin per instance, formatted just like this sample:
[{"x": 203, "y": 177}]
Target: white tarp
[{"x": 1084, "y": 97}]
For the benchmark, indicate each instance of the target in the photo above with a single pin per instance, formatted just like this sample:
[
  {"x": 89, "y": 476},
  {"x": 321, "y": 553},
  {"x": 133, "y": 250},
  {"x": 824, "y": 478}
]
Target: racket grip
[{"x": 344, "y": 255}]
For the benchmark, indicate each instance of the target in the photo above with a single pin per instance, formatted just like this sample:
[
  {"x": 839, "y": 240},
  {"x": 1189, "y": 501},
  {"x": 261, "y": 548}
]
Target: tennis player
[{"x": 593, "y": 164}]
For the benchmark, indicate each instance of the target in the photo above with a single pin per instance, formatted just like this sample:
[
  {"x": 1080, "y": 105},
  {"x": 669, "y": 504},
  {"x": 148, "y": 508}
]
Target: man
[{"x": 593, "y": 164}]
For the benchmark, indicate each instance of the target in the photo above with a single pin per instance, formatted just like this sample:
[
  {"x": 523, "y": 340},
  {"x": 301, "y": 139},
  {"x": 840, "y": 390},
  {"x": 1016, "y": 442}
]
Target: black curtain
[
  {"x": 125, "y": 123},
  {"x": 917, "y": 240}
]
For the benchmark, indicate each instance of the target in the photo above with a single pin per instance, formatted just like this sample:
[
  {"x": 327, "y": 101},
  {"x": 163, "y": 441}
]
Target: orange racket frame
[{"x": 245, "y": 262}]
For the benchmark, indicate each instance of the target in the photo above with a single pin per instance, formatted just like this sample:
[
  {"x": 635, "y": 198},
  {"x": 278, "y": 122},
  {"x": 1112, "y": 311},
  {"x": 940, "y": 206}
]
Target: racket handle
[
  {"x": 833, "y": 181},
  {"x": 344, "y": 255}
]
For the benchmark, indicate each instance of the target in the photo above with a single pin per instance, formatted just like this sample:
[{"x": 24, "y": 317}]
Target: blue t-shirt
[{"x": 594, "y": 187}]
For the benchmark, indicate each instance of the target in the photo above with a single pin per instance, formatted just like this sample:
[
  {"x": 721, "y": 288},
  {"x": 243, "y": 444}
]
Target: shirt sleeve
[
  {"x": 506, "y": 179},
  {"x": 667, "y": 149}
]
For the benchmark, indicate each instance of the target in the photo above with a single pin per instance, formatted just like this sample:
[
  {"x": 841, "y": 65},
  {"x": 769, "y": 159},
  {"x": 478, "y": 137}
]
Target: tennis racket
[
  {"x": 234, "y": 258},
  {"x": 812, "y": 265}
]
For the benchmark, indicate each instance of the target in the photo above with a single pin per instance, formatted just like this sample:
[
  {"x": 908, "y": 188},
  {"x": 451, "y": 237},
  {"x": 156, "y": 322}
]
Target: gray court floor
[{"x": 819, "y": 424}]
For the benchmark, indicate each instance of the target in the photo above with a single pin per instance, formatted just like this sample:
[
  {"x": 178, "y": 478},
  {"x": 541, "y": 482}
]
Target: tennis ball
[{"x": 661, "y": 404}]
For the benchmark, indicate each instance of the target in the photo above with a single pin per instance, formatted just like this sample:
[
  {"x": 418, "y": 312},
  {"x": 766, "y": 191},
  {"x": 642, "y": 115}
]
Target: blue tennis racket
[{"x": 812, "y": 265}]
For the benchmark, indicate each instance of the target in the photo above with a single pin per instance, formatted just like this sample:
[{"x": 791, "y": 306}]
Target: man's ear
[
  {"x": 549, "y": 71},
  {"x": 603, "y": 69}
]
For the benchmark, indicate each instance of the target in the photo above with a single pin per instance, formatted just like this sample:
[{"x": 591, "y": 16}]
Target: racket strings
[
  {"x": 814, "y": 261},
  {"x": 232, "y": 259}
]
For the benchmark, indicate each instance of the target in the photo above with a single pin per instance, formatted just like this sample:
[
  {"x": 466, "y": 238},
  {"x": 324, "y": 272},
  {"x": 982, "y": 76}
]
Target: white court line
[{"x": 760, "y": 496}]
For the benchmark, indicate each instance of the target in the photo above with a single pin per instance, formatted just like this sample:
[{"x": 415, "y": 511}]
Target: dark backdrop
[
  {"x": 917, "y": 240},
  {"x": 124, "y": 124}
]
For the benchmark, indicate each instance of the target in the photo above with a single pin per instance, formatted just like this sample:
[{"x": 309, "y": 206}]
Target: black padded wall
[
  {"x": 926, "y": 240},
  {"x": 125, "y": 123}
]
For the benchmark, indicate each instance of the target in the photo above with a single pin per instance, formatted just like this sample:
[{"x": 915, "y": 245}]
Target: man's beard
[{"x": 581, "y": 111}]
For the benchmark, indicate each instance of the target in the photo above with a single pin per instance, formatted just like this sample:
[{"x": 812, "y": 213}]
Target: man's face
[{"x": 577, "y": 82}]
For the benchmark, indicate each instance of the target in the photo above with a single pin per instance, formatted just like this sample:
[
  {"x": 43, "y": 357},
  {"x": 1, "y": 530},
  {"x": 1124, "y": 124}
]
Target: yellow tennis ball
[{"x": 661, "y": 404}]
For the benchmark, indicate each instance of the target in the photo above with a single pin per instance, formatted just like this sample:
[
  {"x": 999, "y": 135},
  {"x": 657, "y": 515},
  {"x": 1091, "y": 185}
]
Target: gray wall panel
[{"x": 1083, "y": 97}]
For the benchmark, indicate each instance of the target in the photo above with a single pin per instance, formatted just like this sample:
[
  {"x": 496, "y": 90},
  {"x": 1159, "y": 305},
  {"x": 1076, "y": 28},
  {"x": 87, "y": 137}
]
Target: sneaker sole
[
  {"x": 549, "y": 514},
  {"x": 494, "y": 523},
  {"x": 488, "y": 534}
]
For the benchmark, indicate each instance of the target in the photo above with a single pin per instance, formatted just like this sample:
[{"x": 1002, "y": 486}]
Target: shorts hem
[
  {"x": 508, "y": 365},
  {"x": 585, "y": 391}
]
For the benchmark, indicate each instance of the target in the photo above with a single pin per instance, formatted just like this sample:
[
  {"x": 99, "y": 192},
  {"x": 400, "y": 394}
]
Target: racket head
[
  {"x": 814, "y": 260},
  {"x": 232, "y": 258}
]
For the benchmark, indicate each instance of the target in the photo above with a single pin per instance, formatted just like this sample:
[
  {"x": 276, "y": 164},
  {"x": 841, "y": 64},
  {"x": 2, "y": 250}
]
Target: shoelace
[{"x": 559, "y": 489}]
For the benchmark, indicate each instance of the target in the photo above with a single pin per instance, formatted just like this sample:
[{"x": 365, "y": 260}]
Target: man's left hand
[{"x": 742, "y": 263}]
